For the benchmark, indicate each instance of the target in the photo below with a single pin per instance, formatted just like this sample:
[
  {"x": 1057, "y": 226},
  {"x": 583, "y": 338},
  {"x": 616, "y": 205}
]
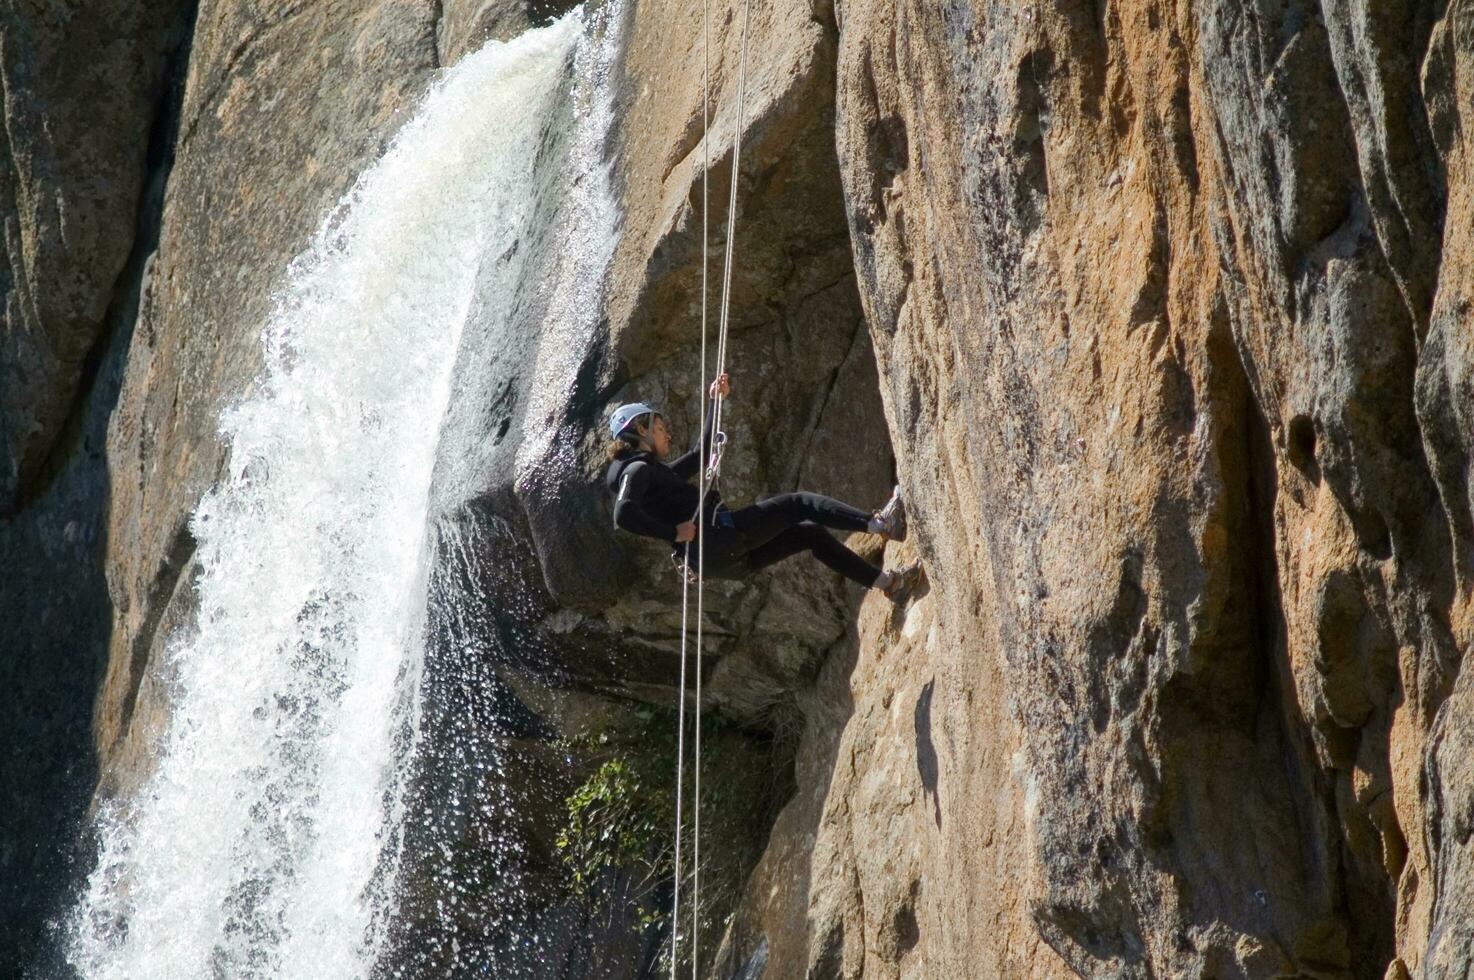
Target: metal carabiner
[
  {"x": 691, "y": 575},
  {"x": 714, "y": 464}
]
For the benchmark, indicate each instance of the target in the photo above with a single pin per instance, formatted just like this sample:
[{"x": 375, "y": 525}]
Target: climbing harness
[{"x": 710, "y": 475}]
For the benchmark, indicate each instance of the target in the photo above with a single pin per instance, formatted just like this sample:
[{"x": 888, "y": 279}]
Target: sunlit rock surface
[{"x": 1164, "y": 329}]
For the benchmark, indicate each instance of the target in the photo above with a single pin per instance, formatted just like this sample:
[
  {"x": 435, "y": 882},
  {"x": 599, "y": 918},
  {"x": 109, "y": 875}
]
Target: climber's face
[{"x": 656, "y": 436}]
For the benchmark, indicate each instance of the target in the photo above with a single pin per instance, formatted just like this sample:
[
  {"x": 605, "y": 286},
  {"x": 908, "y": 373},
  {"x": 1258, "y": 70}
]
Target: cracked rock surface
[{"x": 1166, "y": 336}]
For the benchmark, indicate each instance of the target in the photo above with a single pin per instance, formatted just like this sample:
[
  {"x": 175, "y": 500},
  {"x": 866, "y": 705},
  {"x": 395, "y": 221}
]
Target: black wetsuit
[{"x": 652, "y": 497}]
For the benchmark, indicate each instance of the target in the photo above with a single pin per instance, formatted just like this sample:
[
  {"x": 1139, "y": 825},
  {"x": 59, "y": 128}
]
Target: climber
[{"x": 657, "y": 500}]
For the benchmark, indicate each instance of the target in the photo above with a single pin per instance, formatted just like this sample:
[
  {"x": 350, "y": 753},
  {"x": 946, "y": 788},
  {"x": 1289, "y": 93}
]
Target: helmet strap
[{"x": 642, "y": 440}]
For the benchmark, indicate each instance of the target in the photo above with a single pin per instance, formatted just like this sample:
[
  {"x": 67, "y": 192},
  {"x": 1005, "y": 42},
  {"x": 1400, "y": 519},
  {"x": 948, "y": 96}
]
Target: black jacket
[{"x": 651, "y": 497}]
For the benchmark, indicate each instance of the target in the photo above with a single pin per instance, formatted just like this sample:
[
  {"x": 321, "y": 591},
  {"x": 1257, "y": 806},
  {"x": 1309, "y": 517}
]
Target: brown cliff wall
[
  {"x": 80, "y": 95},
  {"x": 1165, "y": 334}
]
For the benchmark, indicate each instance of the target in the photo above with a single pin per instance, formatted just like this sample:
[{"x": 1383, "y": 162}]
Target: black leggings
[{"x": 783, "y": 526}]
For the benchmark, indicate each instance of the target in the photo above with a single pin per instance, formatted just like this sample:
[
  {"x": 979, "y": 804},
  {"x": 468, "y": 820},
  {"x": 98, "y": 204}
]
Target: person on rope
[{"x": 657, "y": 500}]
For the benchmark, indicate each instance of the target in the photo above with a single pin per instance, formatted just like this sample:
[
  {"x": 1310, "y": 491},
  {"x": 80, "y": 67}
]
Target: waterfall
[{"x": 269, "y": 840}]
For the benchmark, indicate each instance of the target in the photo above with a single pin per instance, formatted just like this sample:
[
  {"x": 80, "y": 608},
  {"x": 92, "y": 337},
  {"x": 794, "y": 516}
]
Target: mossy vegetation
[
  {"x": 619, "y": 820},
  {"x": 619, "y": 833}
]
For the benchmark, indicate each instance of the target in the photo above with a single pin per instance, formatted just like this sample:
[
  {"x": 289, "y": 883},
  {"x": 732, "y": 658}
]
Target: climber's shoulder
[{"x": 627, "y": 463}]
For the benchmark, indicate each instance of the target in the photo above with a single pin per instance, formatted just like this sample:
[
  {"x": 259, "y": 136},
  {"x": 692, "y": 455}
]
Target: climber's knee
[
  {"x": 814, "y": 537},
  {"x": 810, "y": 503},
  {"x": 801, "y": 505}
]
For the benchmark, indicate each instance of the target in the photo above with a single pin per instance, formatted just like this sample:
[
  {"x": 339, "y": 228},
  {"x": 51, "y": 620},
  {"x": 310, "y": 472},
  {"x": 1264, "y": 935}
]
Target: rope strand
[
  {"x": 680, "y": 765},
  {"x": 715, "y": 475},
  {"x": 709, "y": 476},
  {"x": 702, "y": 484},
  {"x": 725, "y": 318}
]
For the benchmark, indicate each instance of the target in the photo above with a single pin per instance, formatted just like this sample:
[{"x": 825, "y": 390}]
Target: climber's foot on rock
[
  {"x": 890, "y": 520},
  {"x": 901, "y": 583}
]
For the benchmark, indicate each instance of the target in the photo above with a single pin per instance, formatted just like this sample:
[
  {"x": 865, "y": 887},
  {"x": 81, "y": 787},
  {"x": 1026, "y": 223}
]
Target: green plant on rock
[
  {"x": 620, "y": 828},
  {"x": 619, "y": 820}
]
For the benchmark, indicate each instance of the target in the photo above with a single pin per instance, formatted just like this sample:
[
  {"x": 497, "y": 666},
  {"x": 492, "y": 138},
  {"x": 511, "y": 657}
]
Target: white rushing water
[
  {"x": 267, "y": 843},
  {"x": 588, "y": 235}
]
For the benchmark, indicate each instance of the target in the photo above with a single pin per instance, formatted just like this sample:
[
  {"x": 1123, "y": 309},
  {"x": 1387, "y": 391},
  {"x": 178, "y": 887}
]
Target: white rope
[
  {"x": 680, "y": 764},
  {"x": 731, "y": 233},
  {"x": 702, "y": 484},
  {"x": 708, "y": 479}
]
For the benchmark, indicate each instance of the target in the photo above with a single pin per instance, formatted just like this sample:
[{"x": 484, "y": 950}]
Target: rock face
[
  {"x": 81, "y": 94},
  {"x": 88, "y": 109},
  {"x": 1162, "y": 323},
  {"x": 594, "y": 635},
  {"x": 1159, "y": 313}
]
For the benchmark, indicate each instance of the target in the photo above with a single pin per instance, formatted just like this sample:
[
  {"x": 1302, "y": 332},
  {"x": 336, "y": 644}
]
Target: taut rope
[{"x": 709, "y": 476}]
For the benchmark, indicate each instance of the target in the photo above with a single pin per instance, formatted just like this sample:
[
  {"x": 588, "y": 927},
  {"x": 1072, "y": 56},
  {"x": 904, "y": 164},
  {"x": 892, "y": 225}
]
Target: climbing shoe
[
  {"x": 903, "y": 582},
  {"x": 890, "y": 520}
]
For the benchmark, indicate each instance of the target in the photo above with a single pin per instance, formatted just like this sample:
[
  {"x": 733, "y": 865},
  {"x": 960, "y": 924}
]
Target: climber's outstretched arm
[{"x": 689, "y": 464}]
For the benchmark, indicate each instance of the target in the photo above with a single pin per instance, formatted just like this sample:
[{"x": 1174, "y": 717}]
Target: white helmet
[{"x": 625, "y": 415}]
